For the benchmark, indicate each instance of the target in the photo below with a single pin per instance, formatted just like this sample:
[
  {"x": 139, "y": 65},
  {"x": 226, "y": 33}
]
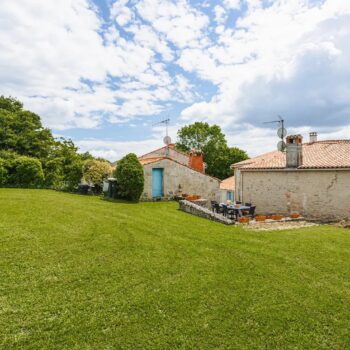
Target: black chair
[
  {"x": 252, "y": 211},
  {"x": 218, "y": 209},
  {"x": 224, "y": 210},
  {"x": 212, "y": 204},
  {"x": 232, "y": 214},
  {"x": 238, "y": 202},
  {"x": 248, "y": 204}
]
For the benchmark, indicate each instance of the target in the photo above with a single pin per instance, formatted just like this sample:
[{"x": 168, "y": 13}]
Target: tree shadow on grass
[{"x": 119, "y": 200}]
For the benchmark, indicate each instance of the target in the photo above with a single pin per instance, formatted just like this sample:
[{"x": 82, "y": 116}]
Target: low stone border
[
  {"x": 202, "y": 212},
  {"x": 278, "y": 225}
]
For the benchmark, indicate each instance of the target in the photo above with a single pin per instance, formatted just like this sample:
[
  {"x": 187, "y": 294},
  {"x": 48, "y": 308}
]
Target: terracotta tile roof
[
  {"x": 228, "y": 184},
  {"x": 317, "y": 155},
  {"x": 151, "y": 160},
  {"x": 171, "y": 146}
]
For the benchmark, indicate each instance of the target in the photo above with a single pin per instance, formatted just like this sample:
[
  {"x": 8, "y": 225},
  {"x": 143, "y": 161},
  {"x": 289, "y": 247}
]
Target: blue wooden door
[{"x": 157, "y": 182}]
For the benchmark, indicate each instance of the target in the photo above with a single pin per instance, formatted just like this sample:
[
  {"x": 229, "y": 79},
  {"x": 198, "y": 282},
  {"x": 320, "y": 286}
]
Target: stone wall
[
  {"x": 317, "y": 194},
  {"x": 179, "y": 179},
  {"x": 200, "y": 211}
]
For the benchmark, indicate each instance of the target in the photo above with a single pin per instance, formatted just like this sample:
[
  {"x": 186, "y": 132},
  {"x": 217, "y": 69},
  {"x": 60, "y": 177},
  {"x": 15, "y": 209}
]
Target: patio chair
[
  {"x": 218, "y": 209},
  {"x": 232, "y": 214},
  {"x": 252, "y": 211},
  {"x": 238, "y": 202},
  {"x": 248, "y": 204},
  {"x": 224, "y": 210},
  {"x": 212, "y": 204}
]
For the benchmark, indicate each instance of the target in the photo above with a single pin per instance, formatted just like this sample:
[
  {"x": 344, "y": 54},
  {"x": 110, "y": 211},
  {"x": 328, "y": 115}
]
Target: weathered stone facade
[
  {"x": 180, "y": 179},
  {"x": 315, "y": 194}
]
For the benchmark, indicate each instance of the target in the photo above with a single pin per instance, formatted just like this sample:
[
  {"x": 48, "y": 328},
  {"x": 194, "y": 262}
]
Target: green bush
[
  {"x": 72, "y": 175},
  {"x": 53, "y": 171},
  {"x": 129, "y": 175},
  {"x": 3, "y": 172},
  {"x": 26, "y": 172}
]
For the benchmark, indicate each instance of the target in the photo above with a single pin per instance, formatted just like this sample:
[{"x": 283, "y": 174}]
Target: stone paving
[{"x": 278, "y": 225}]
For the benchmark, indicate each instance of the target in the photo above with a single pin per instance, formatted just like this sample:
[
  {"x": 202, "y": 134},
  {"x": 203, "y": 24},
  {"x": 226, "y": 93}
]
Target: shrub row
[{"x": 21, "y": 171}]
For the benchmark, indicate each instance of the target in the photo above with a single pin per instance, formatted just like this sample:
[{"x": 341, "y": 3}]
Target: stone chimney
[
  {"x": 313, "y": 137},
  {"x": 196, "y": 161},
  {"x": 294, "y": 151}
]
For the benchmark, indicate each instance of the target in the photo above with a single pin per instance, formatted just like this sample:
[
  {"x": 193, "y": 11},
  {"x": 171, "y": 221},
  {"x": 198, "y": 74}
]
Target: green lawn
[{"x": 78, "y": 272}]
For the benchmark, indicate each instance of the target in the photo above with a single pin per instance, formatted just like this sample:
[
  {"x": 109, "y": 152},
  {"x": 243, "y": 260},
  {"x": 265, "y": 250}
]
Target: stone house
[
  {"x": 312, "y": 179},
  {"x": 169, "y": 152},
  {"x": 170, "y": 173},
  {"x": 227, "y": 189}
]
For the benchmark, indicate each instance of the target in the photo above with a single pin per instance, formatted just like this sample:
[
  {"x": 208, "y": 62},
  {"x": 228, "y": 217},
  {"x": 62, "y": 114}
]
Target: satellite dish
[
  {"x": 167, "y": 140},
  {"x": 281, "y": 146},
  {"x": 282, "y": 133}
]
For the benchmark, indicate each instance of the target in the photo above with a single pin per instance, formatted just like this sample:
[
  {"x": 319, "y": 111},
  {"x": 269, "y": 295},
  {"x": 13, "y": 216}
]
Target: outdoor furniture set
[{"x": 234, "y": 211}]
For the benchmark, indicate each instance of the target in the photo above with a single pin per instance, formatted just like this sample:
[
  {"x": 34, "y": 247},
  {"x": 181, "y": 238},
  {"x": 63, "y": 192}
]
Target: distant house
[
  {"x": 311, "y": 178},
  {"x": 227, "y": 189},
  {"x": 169, "y": 172}
]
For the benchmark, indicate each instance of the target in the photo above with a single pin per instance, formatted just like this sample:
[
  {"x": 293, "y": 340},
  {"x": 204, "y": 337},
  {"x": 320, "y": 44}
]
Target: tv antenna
[
  {"x": 167, "y": 138},
  {"x": 281, "y": 133}
]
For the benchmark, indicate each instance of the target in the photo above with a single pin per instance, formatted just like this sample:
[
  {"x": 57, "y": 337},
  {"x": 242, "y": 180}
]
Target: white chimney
[{"x": 313, "y": 137}]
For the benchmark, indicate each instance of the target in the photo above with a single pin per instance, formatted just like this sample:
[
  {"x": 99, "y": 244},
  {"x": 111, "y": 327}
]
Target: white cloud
[
  {"x": 287, "y": 58},
  {"x": 55, "y": 59},
  {"x": 122, "y": 14},
  {"x": 232, "y": 4},
  {"x": 76, "y": 69},
  {"x": 114, "y": 150},
  {"x": 177, "y": 21}
]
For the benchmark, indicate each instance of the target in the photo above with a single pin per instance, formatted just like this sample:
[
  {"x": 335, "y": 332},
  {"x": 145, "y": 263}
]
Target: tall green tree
[
  {"x": 22, "y": 131},
  {"x": 22, "y": 134},
  {"x": 130, "y": 178},
  {"x": 212, "y": 142},
  {"x": 200, "y": 136}
]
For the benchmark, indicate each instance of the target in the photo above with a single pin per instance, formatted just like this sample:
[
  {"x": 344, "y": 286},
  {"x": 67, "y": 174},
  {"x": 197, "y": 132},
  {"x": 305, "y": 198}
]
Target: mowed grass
[{"x": 78, "y": 272}]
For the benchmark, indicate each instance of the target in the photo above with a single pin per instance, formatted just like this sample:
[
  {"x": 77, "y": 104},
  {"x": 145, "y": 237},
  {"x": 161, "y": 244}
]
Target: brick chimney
[
  {"x": 294, "y": 151},
  {"x": 196, "y": 161},
  {"x": 313, "y": 137}
]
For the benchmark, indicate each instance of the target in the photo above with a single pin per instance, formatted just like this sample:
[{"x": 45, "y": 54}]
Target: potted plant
[
  {"x": 260, "y": 218},
  {"x": 277, "y": 217},
  {"x": 243, "y": 220},
  {"x": 294, "y": 215}
]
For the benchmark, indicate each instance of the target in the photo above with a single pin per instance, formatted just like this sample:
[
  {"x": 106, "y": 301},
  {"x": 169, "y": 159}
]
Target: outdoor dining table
[{"x": 239, "y": 209}]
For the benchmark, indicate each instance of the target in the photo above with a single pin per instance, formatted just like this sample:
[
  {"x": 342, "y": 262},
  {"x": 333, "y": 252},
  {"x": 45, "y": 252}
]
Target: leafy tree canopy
[
  {"x": 22, "y": 134},
  {"x": 95, "y": 171},
  {"x": 21, "y": 131},
  {"x": 212, "y": 142}
]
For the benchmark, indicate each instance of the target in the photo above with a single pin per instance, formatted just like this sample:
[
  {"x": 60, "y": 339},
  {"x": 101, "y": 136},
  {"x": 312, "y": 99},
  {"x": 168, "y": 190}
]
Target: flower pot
[
  {"x": 295, "y": 215},
  {"x": 277, "y": 217},
  {"x": 243, "y": 220},
  {"x": 260, "y": 218}
]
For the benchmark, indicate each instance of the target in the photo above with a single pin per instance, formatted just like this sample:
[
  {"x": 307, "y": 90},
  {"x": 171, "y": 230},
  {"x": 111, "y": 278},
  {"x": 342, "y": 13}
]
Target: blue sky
[{"x": 103, "y": 72}]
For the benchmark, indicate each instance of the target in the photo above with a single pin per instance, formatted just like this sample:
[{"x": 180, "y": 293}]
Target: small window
[{"x": 229, "y": 195}]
